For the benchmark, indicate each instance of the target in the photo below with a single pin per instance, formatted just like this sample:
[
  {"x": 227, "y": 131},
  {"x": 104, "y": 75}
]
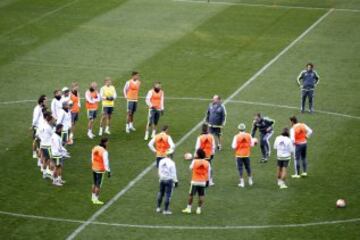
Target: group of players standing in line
[{"x": 55, "y": 129}]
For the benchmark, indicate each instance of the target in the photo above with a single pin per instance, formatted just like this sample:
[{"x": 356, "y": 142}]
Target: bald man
[{"x": 216, "y": 119}]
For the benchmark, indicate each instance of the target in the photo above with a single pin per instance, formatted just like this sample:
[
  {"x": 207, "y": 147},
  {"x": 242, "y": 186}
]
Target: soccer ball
[
  {"x": 188, "y": 156},
  {"x": 340, "y": 203},
  {"x": 255, "y": 141}
]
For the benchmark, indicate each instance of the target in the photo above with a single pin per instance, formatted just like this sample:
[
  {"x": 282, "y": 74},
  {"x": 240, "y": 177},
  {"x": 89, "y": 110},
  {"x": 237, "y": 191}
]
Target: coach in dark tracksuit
[
  {"x": 216, "y": 119},
  {"x": 265, "y": 126},
  {"x": 308, "y": 79}
]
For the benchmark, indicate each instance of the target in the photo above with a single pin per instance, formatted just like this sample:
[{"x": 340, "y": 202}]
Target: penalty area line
[{"x": 181, "y": 227}]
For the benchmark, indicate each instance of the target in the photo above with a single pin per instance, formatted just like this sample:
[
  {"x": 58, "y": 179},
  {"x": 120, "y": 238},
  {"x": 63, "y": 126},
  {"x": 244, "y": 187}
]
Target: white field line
[
  {"x": 242, "y": 87},
  {"x": 274, "y": 6},
  {"x": 179, "y": 227},
  {"x": 232, "y": 101},
  {"x": 38, "y": 18}
]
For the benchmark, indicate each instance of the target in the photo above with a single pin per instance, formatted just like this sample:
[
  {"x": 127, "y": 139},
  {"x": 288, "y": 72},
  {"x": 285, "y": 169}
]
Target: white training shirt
[
  {"x": 45, "y": 132},
  {"x": 65, "y": 99},
  {"x": 57, "y": 149},
  {"x": 167, "y": 170},
  {"x": 56, "y": 105},
  {"x": 64, "y": 119},
  {"x": 37, "y": 115},
  {"x": 284, "y": 147}
]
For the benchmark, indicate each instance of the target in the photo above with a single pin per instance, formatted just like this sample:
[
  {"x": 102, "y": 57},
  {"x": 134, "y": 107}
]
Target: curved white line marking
[
  {"x": 231, "y": 101},
  {"x": 183, "y": 227}
]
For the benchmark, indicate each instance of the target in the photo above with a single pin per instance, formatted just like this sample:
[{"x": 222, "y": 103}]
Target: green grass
[{"x": 196, "y": 50}]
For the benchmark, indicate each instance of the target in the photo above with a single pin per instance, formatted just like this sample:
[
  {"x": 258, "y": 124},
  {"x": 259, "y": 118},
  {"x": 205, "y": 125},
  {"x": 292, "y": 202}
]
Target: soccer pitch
[{"x": 249, "y": 52}]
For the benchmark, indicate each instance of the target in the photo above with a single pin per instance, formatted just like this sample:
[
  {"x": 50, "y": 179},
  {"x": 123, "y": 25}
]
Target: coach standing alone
[
  {"x": 216, "y": 119},
  {"x": 308, "y": 79}
]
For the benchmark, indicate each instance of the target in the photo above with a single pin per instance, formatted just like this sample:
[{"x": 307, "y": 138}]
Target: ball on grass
[
  {"x": 340, "y": 203},
  {"x": 188, "y": 156}
]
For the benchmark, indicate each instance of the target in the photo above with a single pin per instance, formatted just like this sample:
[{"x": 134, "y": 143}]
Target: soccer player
[
  {"x": 216, "y": 119},
  {"x": 36, "y": 121},
  {"x": 65, "y": 119},
  {"x": 199, "y": 180},
  {"x": 162, "y": 145},
  {"x": 56, "y": 103},
  {"x": 206, "y": 142},
  {"x": 285, "y": 148},
  {"x": 242, "y": 143},
  {"x": 92, "y": 98},
  {"x": 308, "y": 79},
  {"x": 168, "y": 180},
  {"x": 75, "y": 109},
  {"x": 65, "y": 94},
  {"x": 155, "y": 102},
  {"x": 45, "y": 133},
  {"x": 58, "y": 154},
  {"x": 299, "y": 133},
  {"x": 108, "y": 96},
  {"x": 265, "y": 126},
  {"x": 100, "y": 165},
  {"x": 131, "y": 94}
]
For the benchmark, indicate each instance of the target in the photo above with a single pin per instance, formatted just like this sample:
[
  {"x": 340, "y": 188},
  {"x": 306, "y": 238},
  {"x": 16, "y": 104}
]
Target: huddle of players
[
  {"x": 162, "y": 143},
  {"x": 290, "y": 142},
  {"x": 293, "y": 141},
  {"x": 54, "y": 128}
]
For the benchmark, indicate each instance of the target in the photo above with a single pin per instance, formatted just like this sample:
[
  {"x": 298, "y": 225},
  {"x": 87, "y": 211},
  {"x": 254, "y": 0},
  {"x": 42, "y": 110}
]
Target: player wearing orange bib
[
  {"x": 200, "y": 169},
  {"x": 75, "y": 109},
  {"x": 299, "y": 133},
  {"x": 162, "y": 145},
  {"x": 242, "y": 143},
  {"x": 155, "y": 102},
  {"x": 92, "y": 98},
  {"x": 206, "y": 142},
  {"x": 100, "y": 165},
  {"x": 131, "y": 94}
]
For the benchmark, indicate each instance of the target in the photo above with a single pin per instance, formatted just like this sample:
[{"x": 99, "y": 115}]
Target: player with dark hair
[
  {"x": 131, "y": 94},
  {"x": 100, "y": 165},
  {"x": 308, "y": 79},
  {"x": 155, "y": 101},
  {"x": 200, "y": 169},
  {"x": 45, "y": 132},
  {"x": 265, "y": 126},
  {"x": 216, "y": 119},
  {"x": 285, "y": 148},
  {"x": 58, "y": 154},
  {"x": 36, "y": 121},
  {"x": 206, "y": 142},
  {"x": 299, "y": 133},
  {"x": 168, "y": 180}
]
